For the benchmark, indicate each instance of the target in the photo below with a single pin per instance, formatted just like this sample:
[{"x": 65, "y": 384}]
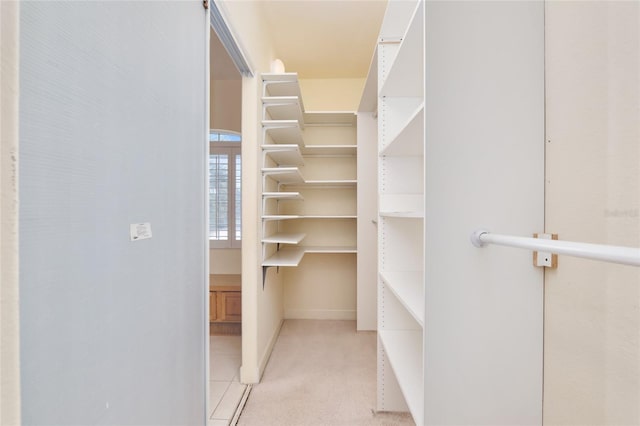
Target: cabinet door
[
  {"x": 229, "y": 304},
  {"x": 212, "y": 306}
]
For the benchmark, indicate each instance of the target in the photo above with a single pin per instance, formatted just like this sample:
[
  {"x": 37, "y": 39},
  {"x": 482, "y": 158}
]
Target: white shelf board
[
  {"x": 283, "y": 108},
  {"x": 329, "y": 249},
  {"x": 285, "y": 257},
  {"x": 282, "y": 195},
  {"x": 284, "y": 131},
  {"x": 408, "y": 215},
  {"x": 404, "y": 350},
  {"x": 331, "y": 183},
  {"x": 282, "y": 84},
  {"x": 284, "y": 155},
  {"x": 406, "y": 74},
  {"x": 306, "y": 216},
  {"x": 409, "y": 141},
  {"x": 349, "y": 150},
  {"x": 330, "y": 118},
  {"x": 280, "y": 216},
  {"x": 283, "y": 238},
  {"x": 401, "y": 205},
  {"x": 311, "y": 216},
  {"x": 408, "y": 287},
  {"x": 280, "y": 77},
  {"x": 284, "y": 175}
]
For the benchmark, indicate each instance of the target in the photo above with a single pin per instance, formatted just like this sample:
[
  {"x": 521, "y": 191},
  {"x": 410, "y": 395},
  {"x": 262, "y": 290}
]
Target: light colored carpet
[{"x": 320, "y": 373}]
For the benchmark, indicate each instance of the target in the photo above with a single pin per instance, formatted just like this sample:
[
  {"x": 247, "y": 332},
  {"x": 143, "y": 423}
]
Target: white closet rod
[{"x": 606, "y": 253}]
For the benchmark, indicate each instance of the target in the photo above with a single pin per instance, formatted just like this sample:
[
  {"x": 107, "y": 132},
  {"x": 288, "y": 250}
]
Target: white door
[{"x": 113, "y": 125}]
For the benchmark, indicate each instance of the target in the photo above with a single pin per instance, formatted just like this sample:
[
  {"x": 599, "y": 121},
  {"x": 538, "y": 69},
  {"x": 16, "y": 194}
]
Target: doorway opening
[{"x": 225, "y": 234}]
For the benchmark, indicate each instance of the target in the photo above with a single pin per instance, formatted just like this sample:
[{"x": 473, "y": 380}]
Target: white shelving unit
[
  {"x": 401, "y": 201},
  {"x": 284, "y": 155},
  {"x": 337, "y": 182},
  {"x": 283, "y": 131},
  {"x": 268, "y": 217},
  {"x": 283, "y": 238},
  {"x": 284, "y": 257},
  {"x": 283, "y": 175},
  {"x": 282, "y": 107},
  {"x": 329, "y": 150},
  {"x": 282, "y": 195},
  {"x": 309, "y": 178}
]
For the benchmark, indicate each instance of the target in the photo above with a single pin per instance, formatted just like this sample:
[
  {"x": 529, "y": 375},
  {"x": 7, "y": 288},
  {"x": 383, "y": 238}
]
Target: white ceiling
[{"x": 325, "y": 38}]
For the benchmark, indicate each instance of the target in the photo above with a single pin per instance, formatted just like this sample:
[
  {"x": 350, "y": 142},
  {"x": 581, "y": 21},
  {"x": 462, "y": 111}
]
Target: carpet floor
[{"x": 321, "y": 373}]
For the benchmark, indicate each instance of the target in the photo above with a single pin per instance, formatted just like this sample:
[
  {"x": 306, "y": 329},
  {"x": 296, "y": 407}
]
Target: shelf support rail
[{"x": 602, "y": 252}]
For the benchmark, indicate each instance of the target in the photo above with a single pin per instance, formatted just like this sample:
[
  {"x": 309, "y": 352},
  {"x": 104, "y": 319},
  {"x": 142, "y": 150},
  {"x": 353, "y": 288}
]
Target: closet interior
[{"x": 308, "y": 201}]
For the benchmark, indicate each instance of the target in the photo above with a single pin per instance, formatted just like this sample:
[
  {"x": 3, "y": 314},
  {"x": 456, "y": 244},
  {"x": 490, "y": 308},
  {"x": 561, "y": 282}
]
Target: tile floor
[{"x": 225, "y": 390}]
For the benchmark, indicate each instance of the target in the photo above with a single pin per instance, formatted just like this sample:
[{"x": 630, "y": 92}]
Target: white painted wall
[
  {"x": 9, "y": 263},
  {"x": 113, "y": 117},
  {"x": 592, "y": 319},
  {"x": 484, "y": 168}
]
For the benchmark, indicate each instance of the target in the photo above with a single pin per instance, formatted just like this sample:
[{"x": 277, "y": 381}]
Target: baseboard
[
  {"x": 262, "y": 364},
  {"x": 320, "y": 314}
]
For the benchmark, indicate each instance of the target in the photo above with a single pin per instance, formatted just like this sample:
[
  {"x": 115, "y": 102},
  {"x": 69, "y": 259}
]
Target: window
[{"x": 225, "y": 171}]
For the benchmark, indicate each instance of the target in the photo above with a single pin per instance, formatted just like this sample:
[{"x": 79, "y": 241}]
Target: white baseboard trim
[
  {"x": 262, "y": 364},
  {"x": 321, "y": 314}
]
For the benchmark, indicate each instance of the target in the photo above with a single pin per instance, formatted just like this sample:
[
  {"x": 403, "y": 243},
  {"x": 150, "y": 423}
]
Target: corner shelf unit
[
  {"x": 308, "y": 177},
  {"x": 401, "y": 209}
]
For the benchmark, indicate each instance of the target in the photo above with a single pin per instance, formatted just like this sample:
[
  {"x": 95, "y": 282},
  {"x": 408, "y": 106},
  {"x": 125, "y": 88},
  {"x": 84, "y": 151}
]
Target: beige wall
[
  {"x": 592, "y": 309},
  {"x": 9, "y": 315},
  {"x": 262, "y": 309},
  {"x": 321, "y": 287},
  {"x": 331, "y": 94},
  {"x": 225, "y": 261},
  {"x": 226, "y": 105}
]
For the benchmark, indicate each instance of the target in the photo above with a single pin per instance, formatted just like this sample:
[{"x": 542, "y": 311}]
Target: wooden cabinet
[
  {"x": 228, "y": 305},
  {"x": 212, "y": 305},
  {"x": 225, "y": 304}
]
